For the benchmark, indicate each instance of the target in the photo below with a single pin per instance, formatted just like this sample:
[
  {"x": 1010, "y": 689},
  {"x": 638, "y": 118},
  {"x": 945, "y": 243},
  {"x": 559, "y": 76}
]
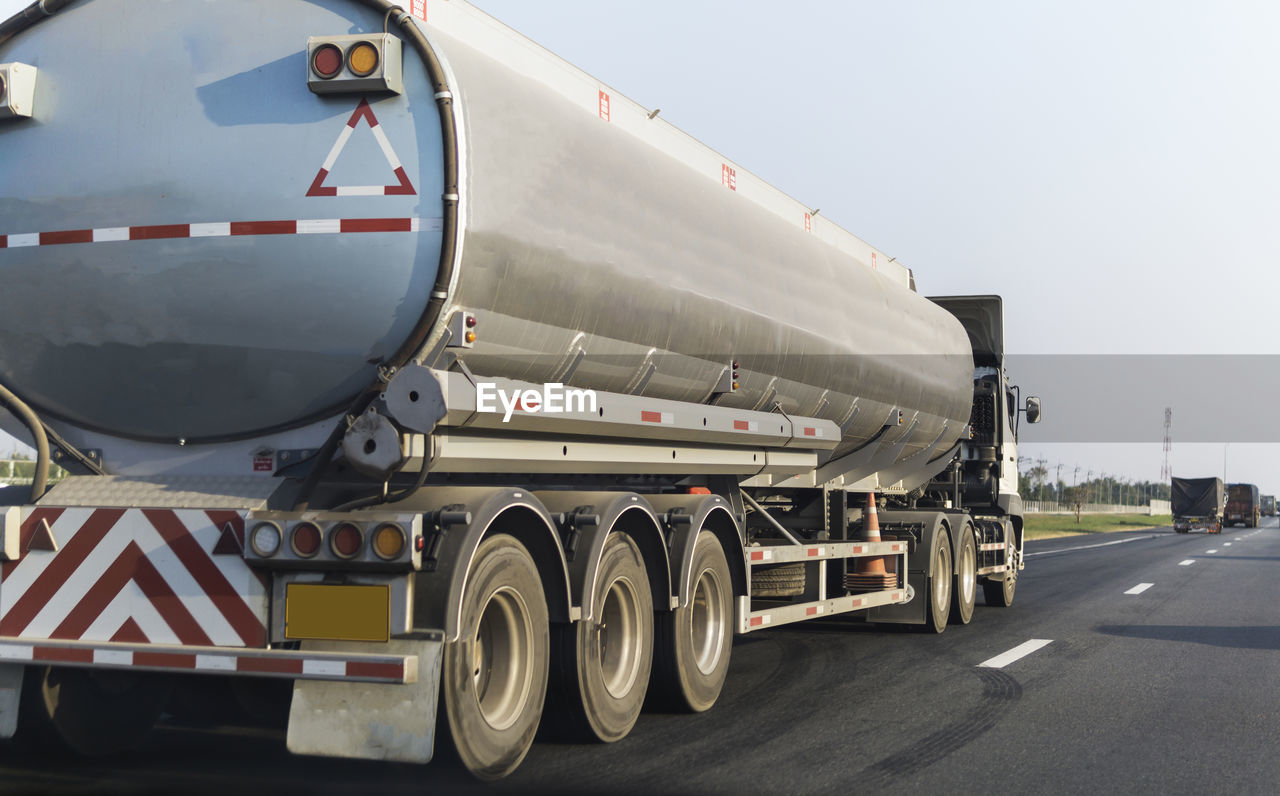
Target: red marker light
[
  {"x": 346, "y": 540},
  {"x": 326, "y": 61},
  {"x": 305, "y": 539}
]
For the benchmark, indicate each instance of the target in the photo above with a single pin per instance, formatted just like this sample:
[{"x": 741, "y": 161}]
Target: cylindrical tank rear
[{"x": 216, "y": 294}]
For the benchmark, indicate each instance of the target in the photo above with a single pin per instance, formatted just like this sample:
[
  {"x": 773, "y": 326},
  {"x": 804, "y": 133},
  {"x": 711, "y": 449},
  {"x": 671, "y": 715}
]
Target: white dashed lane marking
[
  {"x": 1187, "y": 563},
  {"x": 1140, "y": 588},
  {"x": 1017, "y": 653}
]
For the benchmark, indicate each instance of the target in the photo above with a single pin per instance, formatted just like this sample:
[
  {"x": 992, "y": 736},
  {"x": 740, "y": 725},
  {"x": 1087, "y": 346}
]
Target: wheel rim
[
  {"x": 502, "y": 658},
  {"x": 968, "y": 574},
  {"x": 707, "y": 621},
  {"x": 941, "y": 583},
  {"x": 620, "y": 638}
]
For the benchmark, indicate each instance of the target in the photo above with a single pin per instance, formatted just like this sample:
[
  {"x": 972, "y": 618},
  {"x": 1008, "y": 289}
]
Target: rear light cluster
[
  {"x": 360, "y": 62},
  {"x": 319, "y": 543}
]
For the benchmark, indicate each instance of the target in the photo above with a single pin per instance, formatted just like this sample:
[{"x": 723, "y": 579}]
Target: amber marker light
[
  {"x": 362, "y": 59},
  {"x": 389, "y": 541}
]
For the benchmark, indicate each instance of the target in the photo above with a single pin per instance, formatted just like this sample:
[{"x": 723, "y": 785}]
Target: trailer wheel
[
  {"x": 1000, "y": 592},
  {"x": 939, "y": 585},
  {"x": 92, "y": 713},
  {"x": 604, "y": 663},
  {"x": 495, "y": 674},
  {"x": 691, "y": 658},
  {"x": 964, "y": 590}
]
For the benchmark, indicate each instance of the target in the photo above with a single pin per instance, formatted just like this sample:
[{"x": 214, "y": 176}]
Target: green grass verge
[{"x": 1048, "y": 526}]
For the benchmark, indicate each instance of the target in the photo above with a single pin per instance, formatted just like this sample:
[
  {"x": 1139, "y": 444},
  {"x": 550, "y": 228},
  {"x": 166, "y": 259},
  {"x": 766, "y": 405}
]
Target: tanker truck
[{"x": 419, "y": 384}]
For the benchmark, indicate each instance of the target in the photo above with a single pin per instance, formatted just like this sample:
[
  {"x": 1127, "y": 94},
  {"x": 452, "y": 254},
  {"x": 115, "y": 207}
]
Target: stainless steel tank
[{"x": 191, "y": 128}]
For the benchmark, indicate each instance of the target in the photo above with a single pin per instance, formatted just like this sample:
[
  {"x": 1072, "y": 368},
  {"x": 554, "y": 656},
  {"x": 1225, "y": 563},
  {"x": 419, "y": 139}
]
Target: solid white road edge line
[
  {"x": 1187, "y": 563},
  {"x": 1140, "y": 588},
  {"x": 1021, "y": 651},
  {"x": 1087, "y": 547}
]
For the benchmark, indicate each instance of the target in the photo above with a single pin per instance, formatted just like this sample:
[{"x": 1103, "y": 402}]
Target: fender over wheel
[
  {"x": 494, "y": 678},
  {"x": 693, "y": 643},
  {"x": 603, "y": 663},
  {"x": 964, "y": 589}
]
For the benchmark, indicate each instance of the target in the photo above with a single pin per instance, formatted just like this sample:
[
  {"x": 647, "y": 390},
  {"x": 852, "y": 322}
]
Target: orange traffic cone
[{"x": 869, "y": 573}]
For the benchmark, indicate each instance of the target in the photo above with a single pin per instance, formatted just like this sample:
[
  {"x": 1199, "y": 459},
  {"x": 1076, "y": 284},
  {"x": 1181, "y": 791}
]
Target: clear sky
[{"x": 1108, "y": 166}]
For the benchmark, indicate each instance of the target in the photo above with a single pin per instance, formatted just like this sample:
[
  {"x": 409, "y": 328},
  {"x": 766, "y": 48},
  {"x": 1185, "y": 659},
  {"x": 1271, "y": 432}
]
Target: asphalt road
[{"x": 1168, "y": 687}]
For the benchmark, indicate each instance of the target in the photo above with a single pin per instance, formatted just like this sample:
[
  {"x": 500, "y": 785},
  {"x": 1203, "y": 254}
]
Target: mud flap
[
  {"x": 908, "y": 613},
  {"x": 369, "y": 721},
  {"x": 10, "y": 695}
]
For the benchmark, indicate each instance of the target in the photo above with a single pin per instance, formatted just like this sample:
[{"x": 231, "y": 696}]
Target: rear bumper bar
[{"x": 289, "y": 664}]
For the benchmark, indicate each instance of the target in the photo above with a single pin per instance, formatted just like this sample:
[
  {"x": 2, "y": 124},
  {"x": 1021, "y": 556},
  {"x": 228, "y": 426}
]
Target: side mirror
[{"x": 1033, "y": 409}]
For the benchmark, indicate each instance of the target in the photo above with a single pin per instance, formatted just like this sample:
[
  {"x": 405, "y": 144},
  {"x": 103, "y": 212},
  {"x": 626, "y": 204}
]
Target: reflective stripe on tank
[{"x": 220, "y": 229}]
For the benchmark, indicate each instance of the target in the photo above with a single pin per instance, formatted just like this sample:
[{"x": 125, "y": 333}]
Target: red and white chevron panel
[{"x": 140, "y": 576}]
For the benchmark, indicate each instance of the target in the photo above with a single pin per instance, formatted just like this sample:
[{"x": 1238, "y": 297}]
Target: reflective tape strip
[
  {"x": 306, "y": 665},
  {"x": 223, "y": 229}
]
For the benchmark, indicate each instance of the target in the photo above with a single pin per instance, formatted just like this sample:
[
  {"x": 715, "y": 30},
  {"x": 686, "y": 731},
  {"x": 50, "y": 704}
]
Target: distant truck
[
  {"x": 1243, "y": 505},
  {"x": 1197, "y": 504},
  {"x": 1268, "y": 505}
]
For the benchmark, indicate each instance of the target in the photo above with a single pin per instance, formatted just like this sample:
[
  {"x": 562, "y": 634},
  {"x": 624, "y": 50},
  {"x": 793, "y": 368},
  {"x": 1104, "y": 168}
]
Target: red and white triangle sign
[{"x": 404, "y": 188}]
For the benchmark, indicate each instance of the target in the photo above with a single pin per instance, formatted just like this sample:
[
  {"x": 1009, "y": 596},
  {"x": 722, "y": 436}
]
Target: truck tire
[
  {"x": 604, "y": 663},
  {"x": 1000, "y": 592},
  {"x": 780, "y": 580},
  {"x": 494, "y": 679},
  {"x": 92, "y": 713},
  {"x": 964, "y": 590},
  {"x": 693, "y": 643},
  {"x": 938, "y": 592}
]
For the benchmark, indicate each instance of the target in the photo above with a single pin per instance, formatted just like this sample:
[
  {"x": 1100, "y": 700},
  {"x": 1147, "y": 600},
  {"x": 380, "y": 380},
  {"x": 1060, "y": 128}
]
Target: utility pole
[{"x": 1165, "y": 472}]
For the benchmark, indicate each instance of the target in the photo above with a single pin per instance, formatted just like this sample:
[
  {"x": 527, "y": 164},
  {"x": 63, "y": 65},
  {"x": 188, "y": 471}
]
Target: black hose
[
  {"x": 373, "y": 500},
  {"x": 449, "y": 145},
  {"x": 444, "y": 274},
  {"x": 330, "y": 447},
  {"x": 30, "y": 16},
  {"x": 24, "y": 413}
]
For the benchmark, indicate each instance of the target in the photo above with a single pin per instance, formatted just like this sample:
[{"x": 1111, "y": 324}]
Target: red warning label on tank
[
  {"x": 403, "y": 187},
  {"x": 419, "y": 9},
  {"x": 728, "y": 176},
  {"x": 604, "y": 105}
]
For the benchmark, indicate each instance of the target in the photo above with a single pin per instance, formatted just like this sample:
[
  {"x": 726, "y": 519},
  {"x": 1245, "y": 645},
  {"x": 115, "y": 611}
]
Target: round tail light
[
  {"x": 326, "y": 61},
  {"x": 305, "y": 539},
  {"x": 389, "y": 541},
  {"x": 362, "y": 59},
  {"x": 345, "y": 540},
  {"x": 265, "y": 539}
]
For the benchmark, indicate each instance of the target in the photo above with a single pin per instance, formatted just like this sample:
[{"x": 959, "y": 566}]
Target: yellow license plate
[{"x": 340, "y": 613}]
